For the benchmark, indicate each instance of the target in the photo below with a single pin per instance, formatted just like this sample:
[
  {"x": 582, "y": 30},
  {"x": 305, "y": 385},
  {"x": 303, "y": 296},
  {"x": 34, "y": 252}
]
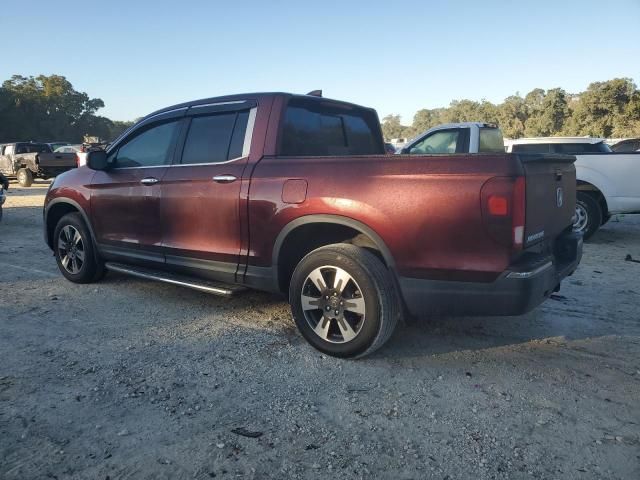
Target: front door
[
  {"x": 200, "y": 204},
  {"x": 125, "y": 199}
]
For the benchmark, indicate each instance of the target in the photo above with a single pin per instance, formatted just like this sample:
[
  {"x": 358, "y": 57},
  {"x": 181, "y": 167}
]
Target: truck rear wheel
[
  {"x": 74, "y": 250},
  {"x": 588, "y": 215},
  {"x": 25, "y": 177},
  {"x": 344, "y": 301}
]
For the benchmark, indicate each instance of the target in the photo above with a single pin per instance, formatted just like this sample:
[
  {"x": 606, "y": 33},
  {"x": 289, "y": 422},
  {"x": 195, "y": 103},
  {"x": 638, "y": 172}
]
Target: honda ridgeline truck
[{"x": 294, "y": 194}]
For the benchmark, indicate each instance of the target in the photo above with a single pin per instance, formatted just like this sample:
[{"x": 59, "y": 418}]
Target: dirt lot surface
[{"x": 132, "y": 379}]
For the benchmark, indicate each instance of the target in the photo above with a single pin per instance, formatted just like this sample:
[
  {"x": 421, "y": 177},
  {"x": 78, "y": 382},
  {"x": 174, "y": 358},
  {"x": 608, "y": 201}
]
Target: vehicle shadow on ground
[
  {"x": 607, "y": 235},
  {"x": 20, "y": 217},
  {"x": 420, "y": 338},
  {"x": 16, "y": 191}
]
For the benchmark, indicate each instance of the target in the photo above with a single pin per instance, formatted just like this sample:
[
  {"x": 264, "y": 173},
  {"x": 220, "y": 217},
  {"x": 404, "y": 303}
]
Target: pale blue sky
[{"x": 396, "y": 56}]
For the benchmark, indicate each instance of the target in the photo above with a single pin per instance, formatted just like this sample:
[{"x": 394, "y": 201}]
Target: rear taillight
[{"x": 503, "y": 209}]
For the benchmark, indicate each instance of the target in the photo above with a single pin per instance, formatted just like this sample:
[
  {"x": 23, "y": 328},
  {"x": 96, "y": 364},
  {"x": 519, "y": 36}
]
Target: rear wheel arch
[
  {"x": 595, "y": 192},
  {"x": 305, "y": 234}
]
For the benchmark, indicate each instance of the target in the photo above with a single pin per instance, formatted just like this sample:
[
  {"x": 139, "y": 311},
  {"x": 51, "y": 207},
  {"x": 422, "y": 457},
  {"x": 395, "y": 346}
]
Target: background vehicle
[
  {"x": 55, "y": 145},
  {"x": 4, "y": 185},
  {"x": 607, "y": 181},
  {"x": 79, "y": 150},
  {"x": 389, "y": 148},
  {"x": 27, "y": 160},
  {"x": 465, "y": 137},
  {"x": 626, "y": 146},
  {"x": 294, "y": 194}
]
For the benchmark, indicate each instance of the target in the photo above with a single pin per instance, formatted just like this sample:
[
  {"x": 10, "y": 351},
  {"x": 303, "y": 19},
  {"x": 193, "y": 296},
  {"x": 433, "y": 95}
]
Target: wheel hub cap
[
  {"x": 71, "y": 249},
  {"x": 333, "y": 305},
  {"x": 581, "y": 218}
]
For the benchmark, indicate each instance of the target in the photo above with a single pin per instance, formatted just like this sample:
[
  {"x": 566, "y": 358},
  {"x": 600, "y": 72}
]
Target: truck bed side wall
[{"x": 428, "y": 214}]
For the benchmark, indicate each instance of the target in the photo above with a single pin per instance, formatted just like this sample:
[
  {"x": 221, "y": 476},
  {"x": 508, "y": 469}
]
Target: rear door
[
  {"x": 200, "y": 204},
  {"x": 125, "y": 200}
]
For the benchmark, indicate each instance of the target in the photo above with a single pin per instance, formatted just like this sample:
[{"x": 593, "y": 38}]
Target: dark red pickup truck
[{"x": 295, "y": 194}]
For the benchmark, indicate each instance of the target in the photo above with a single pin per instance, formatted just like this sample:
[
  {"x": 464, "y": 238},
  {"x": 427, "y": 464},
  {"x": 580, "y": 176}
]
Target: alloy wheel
[
  {"x": 71, "y": 249},
  {"x": 582, "y": 218},
  {"x": 333, "y": 304}
]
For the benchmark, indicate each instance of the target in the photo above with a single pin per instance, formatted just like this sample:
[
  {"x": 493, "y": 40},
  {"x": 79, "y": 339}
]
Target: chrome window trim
[
  {"x": 235, "y": 102},
  {"x": 246, "y": 146},
  {"x": 144, "y": 120},
  {"x": 248, "y": 134},
  {"x": 208, "y": 163},
  {"x": 140, "y": 167}
]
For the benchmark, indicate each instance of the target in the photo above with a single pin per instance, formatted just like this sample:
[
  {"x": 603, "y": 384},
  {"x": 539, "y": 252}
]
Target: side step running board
[{"x": 214, "y": 288}]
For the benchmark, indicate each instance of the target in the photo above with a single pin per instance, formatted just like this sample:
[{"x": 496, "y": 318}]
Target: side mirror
[{"x": 97, "y": 160}]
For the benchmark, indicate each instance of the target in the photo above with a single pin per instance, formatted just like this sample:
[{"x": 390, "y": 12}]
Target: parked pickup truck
[
  {"x": 294, "y": 194},
  {"x": 26, "y": 160},
  {"x": 449, "y": 138},
  {"x": 607, "y": 181}
]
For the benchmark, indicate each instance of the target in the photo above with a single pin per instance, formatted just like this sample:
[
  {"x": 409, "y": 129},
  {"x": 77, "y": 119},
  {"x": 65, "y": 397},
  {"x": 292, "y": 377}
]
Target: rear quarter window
[
  {"x": 317, "y": 128},
  {"x": 491, "y": 140}
]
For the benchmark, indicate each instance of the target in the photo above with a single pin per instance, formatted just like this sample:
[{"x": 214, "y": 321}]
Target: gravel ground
[{"x": 132, "y": 379}]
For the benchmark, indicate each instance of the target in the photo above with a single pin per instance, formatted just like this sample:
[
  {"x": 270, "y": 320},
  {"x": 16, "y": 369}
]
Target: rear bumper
[{"x": 516, "y": 291}]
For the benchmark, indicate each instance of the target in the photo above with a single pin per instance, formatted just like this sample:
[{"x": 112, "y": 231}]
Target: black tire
[
  {"x": 605, "y": 219},
  {"x": 87, "y": 268},
  {"x": 25, "y": 177},
  {"x": 368, "y": 283},
  {"x": 588, "y": 215}
]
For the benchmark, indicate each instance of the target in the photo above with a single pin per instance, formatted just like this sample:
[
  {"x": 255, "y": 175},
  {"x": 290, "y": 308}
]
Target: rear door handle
[
  {"x": 225, "y": 178},
  {"x": 149, "y": 181}
]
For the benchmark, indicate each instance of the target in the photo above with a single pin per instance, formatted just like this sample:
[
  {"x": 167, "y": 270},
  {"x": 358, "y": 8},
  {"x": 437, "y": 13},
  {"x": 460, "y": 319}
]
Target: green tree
[
  {"x": 548, "y": 112},
  {"x": 48, "y": 108},
  {"x": 512, "y": 115},
  {"x": 606, "y": 109},
  {"x": 391, "y": 127}
]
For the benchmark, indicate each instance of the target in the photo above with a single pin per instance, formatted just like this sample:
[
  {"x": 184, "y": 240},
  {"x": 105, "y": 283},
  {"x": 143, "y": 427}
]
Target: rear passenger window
[
  {"x": 215, "y": 138},
  {"x": 315, "y": 128},
  {"x": 491, "y": 140}
]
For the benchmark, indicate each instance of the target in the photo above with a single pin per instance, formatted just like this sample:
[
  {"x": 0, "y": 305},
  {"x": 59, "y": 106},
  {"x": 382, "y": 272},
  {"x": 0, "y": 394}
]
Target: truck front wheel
[
  {"x": 344, "y": 301},
  {"x": 73, "y": 249},
  {"x": 25, "y": 177},
  {"x": 588, "y": 215}
]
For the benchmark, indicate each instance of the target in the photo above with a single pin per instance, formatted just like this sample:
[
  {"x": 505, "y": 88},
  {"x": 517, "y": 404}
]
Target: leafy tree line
[
  {"x": 48, "y": 108},
  {"x": 608, "y": 109}
]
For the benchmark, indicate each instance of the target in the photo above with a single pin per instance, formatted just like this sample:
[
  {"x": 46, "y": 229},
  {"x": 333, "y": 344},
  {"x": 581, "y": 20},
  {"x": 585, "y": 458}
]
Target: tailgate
[
  {"x": 57, "y": 160},
  {"x": 550, "y": 195}
]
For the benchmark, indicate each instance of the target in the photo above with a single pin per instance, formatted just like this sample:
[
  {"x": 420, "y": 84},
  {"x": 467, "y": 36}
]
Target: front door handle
[
  {"x": 225, "y": 178},
  {"x": 149, "y": 181}
]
